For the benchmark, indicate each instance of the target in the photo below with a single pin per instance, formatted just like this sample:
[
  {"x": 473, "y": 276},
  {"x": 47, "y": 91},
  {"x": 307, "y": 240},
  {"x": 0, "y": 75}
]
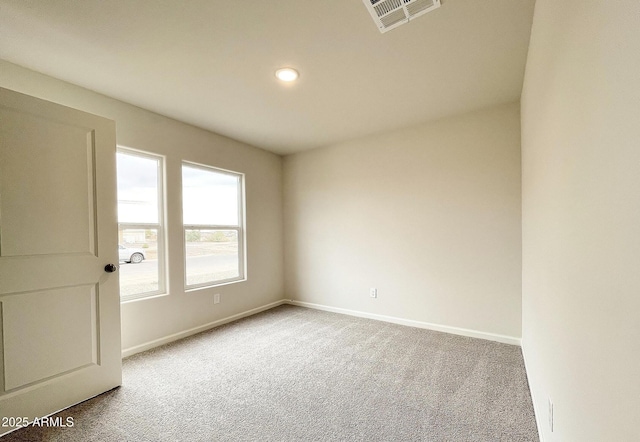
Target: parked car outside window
[{"x": 131, "y": 254}]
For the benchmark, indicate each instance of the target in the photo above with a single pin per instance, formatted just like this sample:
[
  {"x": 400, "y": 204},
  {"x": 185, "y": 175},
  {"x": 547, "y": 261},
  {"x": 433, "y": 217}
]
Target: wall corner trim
[
  {"x": 536, "y": 411},
  {"x": 412, "y": 323}
]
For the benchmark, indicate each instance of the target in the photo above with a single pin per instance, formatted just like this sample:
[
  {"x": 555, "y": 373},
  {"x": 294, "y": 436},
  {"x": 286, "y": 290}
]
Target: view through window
[
  {"x": 140, "y": 227},
  {"x": 213, "y": 225}
]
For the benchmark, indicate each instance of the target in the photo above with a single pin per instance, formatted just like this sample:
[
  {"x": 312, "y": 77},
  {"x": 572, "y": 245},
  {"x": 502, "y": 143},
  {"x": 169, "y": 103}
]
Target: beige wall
[
  {"x": 581, "y": 218},
  {"x": 429, "y": 215},
  {"x": 156, "y": 318}
]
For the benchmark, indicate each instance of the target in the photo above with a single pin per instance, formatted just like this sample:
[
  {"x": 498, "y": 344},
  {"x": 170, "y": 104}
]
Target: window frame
[
  {"x": 163, "y": 285},
  {"x": 240, "y": 228}
]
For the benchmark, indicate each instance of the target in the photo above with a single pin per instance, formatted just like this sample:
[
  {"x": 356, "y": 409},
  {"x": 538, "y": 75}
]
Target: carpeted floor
[{"x": 295, "y": 374}]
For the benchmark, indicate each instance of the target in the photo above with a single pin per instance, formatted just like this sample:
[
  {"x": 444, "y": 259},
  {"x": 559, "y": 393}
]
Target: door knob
[{"x": 110, "y": 268}]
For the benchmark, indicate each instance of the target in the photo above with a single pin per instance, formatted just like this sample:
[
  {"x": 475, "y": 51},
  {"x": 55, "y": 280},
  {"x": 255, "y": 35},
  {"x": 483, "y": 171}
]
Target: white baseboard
[
  {"x": 395, "y": 320},
  {"x": 411, "y": 323},
  {"x": 536, "y": 412},
  {"x": 192, "y": 331}
]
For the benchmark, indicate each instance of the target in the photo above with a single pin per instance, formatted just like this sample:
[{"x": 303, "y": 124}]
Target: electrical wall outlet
[
  {"x": 373, "y": 292},
  {"x": 550, "y": 415},
  {"x": 216, "y": 298}
]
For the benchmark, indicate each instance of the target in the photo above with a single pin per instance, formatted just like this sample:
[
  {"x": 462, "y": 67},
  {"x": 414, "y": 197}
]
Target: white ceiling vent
[{"x": 389, "y": 14}]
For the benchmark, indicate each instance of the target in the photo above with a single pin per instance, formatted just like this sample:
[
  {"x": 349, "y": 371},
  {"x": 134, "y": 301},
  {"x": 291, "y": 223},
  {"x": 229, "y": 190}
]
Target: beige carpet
[{"x": 295, "y": 374}]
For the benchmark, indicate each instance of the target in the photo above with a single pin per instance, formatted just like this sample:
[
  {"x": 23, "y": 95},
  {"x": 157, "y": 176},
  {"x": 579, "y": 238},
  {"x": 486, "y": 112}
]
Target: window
[
  {"x": 212, "y": 211},
  {"x": 140, "y": 224}
]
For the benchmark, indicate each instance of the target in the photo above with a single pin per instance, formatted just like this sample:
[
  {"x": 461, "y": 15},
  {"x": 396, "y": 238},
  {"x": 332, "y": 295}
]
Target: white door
[{"x": 59, "y": 308}]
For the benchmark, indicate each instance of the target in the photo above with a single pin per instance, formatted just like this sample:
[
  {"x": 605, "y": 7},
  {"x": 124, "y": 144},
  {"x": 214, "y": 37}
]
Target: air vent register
[{"x": 389, "y": 14}]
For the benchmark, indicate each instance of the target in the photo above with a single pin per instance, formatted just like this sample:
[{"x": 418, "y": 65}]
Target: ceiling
[{"x": 211, "y": 63}]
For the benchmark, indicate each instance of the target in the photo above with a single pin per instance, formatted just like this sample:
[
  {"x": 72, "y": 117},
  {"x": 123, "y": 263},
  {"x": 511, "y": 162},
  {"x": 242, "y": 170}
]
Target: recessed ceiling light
[{"x": 287, "y": 74}]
